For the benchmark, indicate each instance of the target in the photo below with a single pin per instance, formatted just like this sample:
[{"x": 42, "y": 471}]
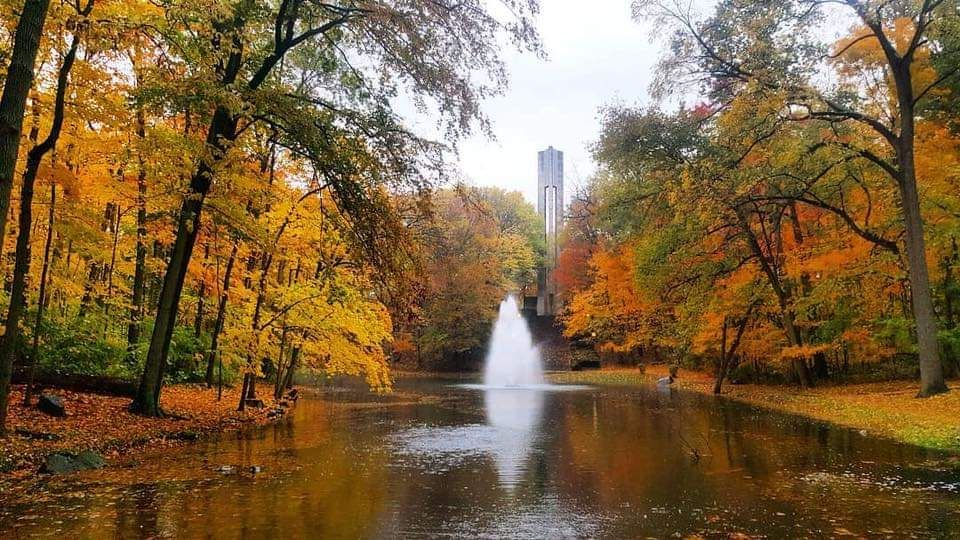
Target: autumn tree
[
  {"x": 429, "y": 47},
  {"x": 480, "y": 244},
  {"x": 777, "y": 49},
  {"x": 40, "y": 150},
  {"x": 16, "y": 88},
  {"x": 732, "y": 232}
]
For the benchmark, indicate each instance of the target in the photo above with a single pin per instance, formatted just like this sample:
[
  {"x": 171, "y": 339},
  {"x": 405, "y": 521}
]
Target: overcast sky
[{"x": 596, "y": 55}]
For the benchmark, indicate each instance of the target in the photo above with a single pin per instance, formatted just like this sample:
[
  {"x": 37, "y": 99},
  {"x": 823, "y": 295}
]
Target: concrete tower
[{"x": 550, "y": 206}]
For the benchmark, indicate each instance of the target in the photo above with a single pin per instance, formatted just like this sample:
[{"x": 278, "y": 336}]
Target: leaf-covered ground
[
  {"x": 888, "y": 409},
  {"x": 104, "y": 424}
]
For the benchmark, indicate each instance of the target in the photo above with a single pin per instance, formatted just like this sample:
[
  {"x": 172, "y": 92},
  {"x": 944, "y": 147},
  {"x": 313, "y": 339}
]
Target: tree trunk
[
  {"x": 198, "y": 320},
  {"x": 147, "y": 399},
  {"x": 222, "y": 132},
  {"x": 728, "y": 354},
  {"x": 783, "y": 297},
  {"x": 800, "y": 367},
  {"x": 140, "y": 267},
  {"x": 950, "y": 285},
  {"x": 42, "y": 300},
  {"x": 294, "y": 360},
  {"x": 69, "y": 255},
  {"x": 721, "y": 364},
  {"x": 243, "y": 392},
  {"x": 93, "y": 276},
  {"x": 931, "y": 370},
  {"x": 18, "y": 302},
  {"x": 718, "y": 381},
  {"x": 221, "y": 314},
  {"x": 19, "y": 80},
  {"x": 278, "y": 376},
  {"x": 820, "y": 368},
  {"x": 115, "y": 226}
]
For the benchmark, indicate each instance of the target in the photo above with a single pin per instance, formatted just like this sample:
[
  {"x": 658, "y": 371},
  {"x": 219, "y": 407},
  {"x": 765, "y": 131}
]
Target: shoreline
[
  {"x": 886, "y": 409},
  {"x": 102, "y": 424}
]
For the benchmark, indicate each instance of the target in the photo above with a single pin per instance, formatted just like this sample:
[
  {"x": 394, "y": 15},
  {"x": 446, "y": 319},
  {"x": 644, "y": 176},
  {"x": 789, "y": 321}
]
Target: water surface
[{"x": 440, "y": 460}]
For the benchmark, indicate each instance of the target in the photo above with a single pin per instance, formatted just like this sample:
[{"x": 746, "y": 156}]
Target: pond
[{"x": 438, "y": 459}]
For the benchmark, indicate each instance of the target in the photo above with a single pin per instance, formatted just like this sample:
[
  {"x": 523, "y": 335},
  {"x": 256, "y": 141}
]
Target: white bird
[{"x": 664, "y": 382}]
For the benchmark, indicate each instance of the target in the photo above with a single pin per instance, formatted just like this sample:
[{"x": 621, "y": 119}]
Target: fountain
[
  {"x": 514, "y": 399},
  {"x": 512, "y": 359}
]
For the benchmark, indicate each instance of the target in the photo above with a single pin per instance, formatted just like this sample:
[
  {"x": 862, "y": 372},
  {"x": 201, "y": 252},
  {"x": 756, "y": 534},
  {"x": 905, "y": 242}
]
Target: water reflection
[
  {"x": 515, "y": 414},
  {"x": 463, "y": 463},
  {"x": 513, "y": 417}
]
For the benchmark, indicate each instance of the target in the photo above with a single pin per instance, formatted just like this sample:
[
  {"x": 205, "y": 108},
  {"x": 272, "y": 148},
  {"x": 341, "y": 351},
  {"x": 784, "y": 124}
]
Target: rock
[
  {"x": 92, "y": 460},
  {"x": 52, "y": 405},
  {"x": 66, "y": 462},
  {"x": 187, "y": 435},
  {"x": 254, "y": 403},
  {"x": 38, "y": 435},
  {"x": 293, "y": 394},
  {"x": 254, "y": 469},
  {"x": 224, "y": 469},
  {"x": 59, "y": 464}
]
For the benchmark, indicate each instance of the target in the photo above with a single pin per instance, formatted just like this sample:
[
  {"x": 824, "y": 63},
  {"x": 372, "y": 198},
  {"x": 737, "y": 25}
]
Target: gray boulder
[
  {"x": 68, "y": 462},
  {"x": 52, "y": 405}
]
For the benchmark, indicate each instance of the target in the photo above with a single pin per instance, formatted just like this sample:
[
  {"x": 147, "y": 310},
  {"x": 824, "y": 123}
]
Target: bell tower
[{"x": 550, "y": 207}]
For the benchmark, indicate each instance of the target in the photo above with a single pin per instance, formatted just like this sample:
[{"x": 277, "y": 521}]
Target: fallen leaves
[{"x": 104, "y": 424}]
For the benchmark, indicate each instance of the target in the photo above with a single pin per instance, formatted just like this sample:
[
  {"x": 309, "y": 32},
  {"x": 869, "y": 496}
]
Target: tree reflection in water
[{"x": 442, "y": 461}]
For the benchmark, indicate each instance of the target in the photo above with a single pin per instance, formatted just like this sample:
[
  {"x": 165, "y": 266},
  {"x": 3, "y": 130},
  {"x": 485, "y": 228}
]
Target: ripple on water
[
  {"x": 527, "y": 387},
  {"x": 887, "y": 482},
  {"x": 534, "y": 521},
  {"x": 439, "y": 448},
  {"x": 452, "y": 444}
]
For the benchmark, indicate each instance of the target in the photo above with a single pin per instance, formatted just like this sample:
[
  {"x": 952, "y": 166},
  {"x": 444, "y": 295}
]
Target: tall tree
[
  {"x": 431, "y": 46},
  {"x": 18, "y": 299},
  {"x": 20, "y": 73},
  {"x": 777, "y": 48}
]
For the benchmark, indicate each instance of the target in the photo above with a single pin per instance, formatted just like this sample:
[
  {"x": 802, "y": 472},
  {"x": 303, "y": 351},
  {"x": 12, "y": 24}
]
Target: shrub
[
  {"x": 187, "y": 359},
  {"x": 82, "y": 347},
  {"x": 950, "y": 348}
]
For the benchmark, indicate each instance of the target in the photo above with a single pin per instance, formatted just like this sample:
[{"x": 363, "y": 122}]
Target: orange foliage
[{"x": 571, "y": 273}]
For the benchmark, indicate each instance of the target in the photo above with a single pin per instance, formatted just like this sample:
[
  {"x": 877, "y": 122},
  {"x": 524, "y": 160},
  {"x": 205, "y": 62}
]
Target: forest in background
[
  {"x": 799, "y": 220},
  {"x": 207, "y": 190},
  {"x": 202, "y": 190}
]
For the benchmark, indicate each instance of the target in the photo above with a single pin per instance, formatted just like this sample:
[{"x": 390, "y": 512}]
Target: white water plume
[{"x": 512, "y": 359}]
